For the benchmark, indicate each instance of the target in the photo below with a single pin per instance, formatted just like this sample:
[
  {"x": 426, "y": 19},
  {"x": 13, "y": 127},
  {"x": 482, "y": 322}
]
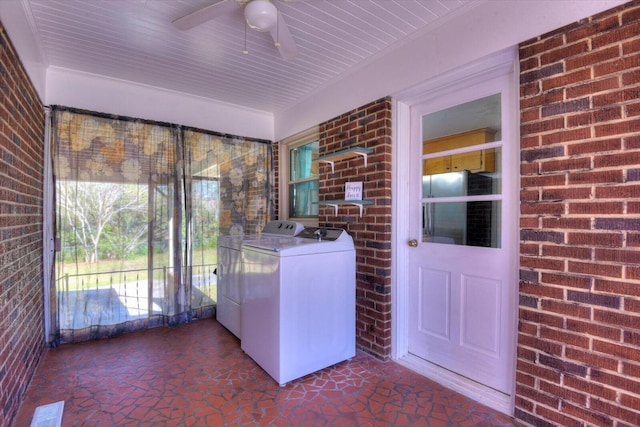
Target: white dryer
[
  {"x": 229, "y": 273},
  {"x": 298, "y": 312}
]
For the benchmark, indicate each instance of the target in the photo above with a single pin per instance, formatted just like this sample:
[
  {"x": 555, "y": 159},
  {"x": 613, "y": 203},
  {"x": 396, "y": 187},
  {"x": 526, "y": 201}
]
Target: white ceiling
[{"x": 134, "y": 40}]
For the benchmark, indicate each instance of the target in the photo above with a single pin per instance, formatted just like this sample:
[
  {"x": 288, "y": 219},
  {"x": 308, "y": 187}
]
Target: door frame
[{"x": 499, "y": 64}]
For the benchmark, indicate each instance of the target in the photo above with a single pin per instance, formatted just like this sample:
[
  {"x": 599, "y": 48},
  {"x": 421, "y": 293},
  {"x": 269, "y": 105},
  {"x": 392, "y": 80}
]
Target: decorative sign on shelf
[{"x": 353, "y": 190}]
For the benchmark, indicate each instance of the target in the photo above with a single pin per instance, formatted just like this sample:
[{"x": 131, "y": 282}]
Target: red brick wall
[
  {"x": 370, "y": 127},
  {"x": 21, "y": 271},
  {"x": 579, "y": 331}
]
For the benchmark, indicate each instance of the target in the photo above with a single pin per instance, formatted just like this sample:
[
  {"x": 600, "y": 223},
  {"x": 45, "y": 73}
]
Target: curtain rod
[{"x": 154, "y": 122}]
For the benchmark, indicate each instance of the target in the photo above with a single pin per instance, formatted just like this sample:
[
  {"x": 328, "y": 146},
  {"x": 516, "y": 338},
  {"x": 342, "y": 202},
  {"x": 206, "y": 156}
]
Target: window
[
  {"x": 299, "y": 187},
  {"x": 303, "y": 181},
  {"x": 462, "y": 177}
]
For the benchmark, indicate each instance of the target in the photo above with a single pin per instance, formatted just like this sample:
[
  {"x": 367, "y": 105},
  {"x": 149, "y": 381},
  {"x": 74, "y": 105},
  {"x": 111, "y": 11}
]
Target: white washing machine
[
  {"x": 229, "y": 273},
  {"x": 298, "y": 302}
]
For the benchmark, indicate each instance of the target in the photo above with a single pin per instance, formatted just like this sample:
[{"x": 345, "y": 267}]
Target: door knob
[{"x": 412, "y": 243}]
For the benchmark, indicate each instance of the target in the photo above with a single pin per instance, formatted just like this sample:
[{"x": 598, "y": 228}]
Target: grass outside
[{"x": 105, "y": 273}]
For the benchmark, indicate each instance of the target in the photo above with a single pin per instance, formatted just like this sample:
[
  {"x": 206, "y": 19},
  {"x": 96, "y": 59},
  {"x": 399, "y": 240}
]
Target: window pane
[
  {"x": 465, "y": 126},
  {"x": 301, "y": 164},
  {"x": 462, "y": 223},
  {"x": 458, "y": 184},
  {"x": 480, "y": 114},
  {"x": 301, "y": 198},
  {"x": 485, "y": 161},
  {"x": 465, "y": 170}
]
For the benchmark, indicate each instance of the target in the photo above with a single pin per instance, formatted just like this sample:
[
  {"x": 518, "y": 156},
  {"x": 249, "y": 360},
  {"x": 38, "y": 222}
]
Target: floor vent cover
[{"x": 48, "y": 415}]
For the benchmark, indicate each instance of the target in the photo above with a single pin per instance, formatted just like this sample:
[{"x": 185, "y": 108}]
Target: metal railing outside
[{"x": 108, "y": 298}]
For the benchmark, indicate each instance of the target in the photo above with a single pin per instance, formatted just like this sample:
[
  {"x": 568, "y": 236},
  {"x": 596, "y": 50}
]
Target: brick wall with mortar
[
  {"x": 368, "y": 126},
  {"x": 21, "y": 270},
  {"x": 579, "y": 330}
]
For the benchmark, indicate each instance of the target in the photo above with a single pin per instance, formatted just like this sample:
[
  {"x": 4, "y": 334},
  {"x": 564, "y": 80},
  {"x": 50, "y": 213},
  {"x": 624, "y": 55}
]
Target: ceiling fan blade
[
  {"x": 283, "y": 39},
  {"x": 205, "y": 14}
]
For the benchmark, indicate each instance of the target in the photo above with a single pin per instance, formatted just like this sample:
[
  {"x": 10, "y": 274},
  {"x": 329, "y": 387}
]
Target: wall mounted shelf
[
  {"x": 335, "y": 203},
  {"x": 344, "y": 155}
]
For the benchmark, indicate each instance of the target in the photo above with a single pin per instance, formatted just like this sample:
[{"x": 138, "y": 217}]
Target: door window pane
[
  {"x": 483, "y": 113},
  {"x": 444, "y": 185},
  {"x": 458, "y": 184},
  {"x": 456, "y": 162},
  {"x": 462, "y": 223},
  {"x": 477, "y": 161}
]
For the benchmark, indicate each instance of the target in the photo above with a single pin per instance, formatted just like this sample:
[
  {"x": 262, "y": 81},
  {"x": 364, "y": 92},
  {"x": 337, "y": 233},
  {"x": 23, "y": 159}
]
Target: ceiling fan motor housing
[{"x": 261, "y": 15}]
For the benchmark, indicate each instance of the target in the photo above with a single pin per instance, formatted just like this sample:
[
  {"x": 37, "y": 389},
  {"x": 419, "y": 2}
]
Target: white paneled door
[
  {"x": 456, "y": 314},
  {"x": 461, "y": 254}
]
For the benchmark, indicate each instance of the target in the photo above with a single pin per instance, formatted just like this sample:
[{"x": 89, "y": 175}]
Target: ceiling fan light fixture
[{"x": 261, "y": 15}]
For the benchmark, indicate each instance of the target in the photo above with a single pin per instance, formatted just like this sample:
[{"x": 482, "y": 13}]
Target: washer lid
[
  {"x": 276, "y": 228},
  {"x": 234, "y": 241},
  {"x": 291, "y": 246}
]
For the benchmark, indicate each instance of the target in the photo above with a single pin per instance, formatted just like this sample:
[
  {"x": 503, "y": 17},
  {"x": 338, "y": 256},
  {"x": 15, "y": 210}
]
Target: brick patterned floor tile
[{"x": 197, "y": 375}]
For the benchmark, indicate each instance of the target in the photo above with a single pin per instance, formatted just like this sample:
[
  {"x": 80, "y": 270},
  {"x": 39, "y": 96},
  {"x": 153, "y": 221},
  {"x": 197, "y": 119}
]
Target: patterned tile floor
[{"x": 197, "y": 375}]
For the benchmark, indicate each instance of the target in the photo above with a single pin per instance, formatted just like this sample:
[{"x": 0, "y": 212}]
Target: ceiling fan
[{"x": 260, "y": 15}]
